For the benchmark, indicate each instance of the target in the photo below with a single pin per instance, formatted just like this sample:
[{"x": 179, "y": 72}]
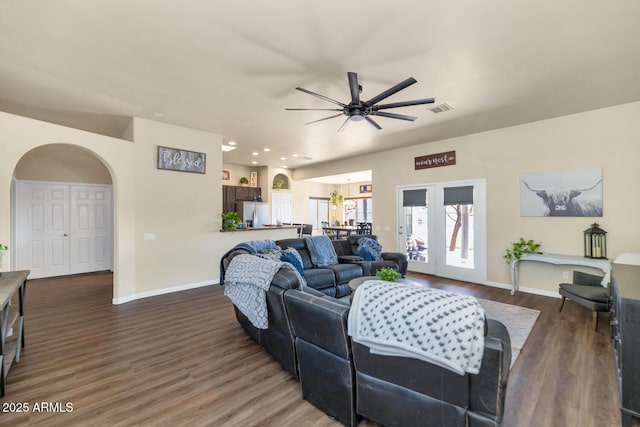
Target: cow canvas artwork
[{"x": 562, "y": 193}]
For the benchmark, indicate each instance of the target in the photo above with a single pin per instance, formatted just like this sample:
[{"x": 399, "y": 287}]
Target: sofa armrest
[
  {"x": 350, "y": 259},
  {"x": 286, "y": 279},
  {"x": 488, "y": 388},
  {"x": 399, "y": 258}
]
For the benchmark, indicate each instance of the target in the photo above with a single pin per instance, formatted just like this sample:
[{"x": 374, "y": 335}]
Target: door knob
[{"x": 66, "y": 234}]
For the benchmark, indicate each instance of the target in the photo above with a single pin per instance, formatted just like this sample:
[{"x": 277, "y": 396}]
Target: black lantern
[{"x": 595, "y": 242}]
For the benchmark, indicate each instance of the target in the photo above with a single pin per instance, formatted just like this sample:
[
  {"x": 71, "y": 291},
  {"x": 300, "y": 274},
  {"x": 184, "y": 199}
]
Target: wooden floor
[{"x": 182, "y": 359}]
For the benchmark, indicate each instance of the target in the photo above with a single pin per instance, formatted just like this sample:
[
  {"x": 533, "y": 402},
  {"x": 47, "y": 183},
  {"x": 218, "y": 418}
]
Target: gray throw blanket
[
  {"x": 253, "y": 246},
  {"x": 321, "y": 250},
  {"x": 246, "y": 282},
  {"x": 439, "y": 327}
]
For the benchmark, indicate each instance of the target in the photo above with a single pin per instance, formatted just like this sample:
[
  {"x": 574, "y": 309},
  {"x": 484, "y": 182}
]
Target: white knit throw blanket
[{"x": 406, "y": 320}]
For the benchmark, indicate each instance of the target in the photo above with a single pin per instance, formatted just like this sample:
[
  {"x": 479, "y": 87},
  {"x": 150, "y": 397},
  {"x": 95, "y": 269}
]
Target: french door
[
  {"x": 63, "y": 228},
  {"x": 442, "y": 228}
]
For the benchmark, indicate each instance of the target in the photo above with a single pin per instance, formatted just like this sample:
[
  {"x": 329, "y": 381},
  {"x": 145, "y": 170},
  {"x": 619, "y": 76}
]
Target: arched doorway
[{"x": 62, "y": 212}]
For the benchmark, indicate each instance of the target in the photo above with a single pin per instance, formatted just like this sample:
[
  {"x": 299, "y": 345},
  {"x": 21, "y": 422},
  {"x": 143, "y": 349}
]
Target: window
[
  {"x": 358, "y": 209},
  {"x": 318, "y": 211}
]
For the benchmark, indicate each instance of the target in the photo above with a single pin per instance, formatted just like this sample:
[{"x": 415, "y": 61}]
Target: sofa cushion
[
  {"x": 319, "y": 278},
  {"x": 321, "y": 250},
  {"x": 345, "y": 272}
]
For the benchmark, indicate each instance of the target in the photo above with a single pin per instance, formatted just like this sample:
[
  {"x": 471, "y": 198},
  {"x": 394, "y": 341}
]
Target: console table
[
  {"x": 601, "y": 264},
  {"x": 11, "y": 282}
]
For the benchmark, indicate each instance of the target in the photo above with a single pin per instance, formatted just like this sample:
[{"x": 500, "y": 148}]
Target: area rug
[{"x": 518, "y": 320}]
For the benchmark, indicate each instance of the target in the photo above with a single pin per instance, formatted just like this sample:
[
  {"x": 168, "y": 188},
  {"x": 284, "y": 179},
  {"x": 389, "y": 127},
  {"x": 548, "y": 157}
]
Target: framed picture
[
  {"x": 562, "y": 193},
  {"x": 365, "y": 188},
  {"x": 175, "y": 159},
  {"x": 226, "y": 175}
]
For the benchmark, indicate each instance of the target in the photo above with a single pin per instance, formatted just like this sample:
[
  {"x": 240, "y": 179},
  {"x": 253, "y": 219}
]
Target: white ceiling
[{"x": 231, "y": 67}]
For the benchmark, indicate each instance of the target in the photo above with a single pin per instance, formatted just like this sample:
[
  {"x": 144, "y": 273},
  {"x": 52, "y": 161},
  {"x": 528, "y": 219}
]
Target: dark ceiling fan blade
[
  {"x": 355, "y": 88},
  {"x": 373, "y": 123},
  {"x": 321, "y": 120},
  {"x": 393, "y": 116},
  {"x": 314, "y": 109},
  {"x": 321, "y": 96},
  {"x": 344, "y": 125},
  {"x": 403, "y": 104},
  {"x": 387, "y": 93}
]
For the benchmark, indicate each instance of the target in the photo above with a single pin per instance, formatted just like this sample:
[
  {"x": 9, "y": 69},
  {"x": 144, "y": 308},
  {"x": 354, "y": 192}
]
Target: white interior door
[
  {"x": 90, "y": 229},
  {"x": 442, "y": 229},
  {"x": 281, "y": 207},
  {"x": 63, "y": 228},
  {"x": 43, "y": 234}
]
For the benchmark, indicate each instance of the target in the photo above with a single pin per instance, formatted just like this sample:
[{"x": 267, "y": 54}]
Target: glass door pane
[
  {"x": 414, "y": 229},
  {"x": 459, "y": 236}
]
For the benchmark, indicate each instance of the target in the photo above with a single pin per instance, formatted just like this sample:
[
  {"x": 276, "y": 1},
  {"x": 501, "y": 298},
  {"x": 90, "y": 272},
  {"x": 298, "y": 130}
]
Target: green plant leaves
[{"x": 519, "y": 248}]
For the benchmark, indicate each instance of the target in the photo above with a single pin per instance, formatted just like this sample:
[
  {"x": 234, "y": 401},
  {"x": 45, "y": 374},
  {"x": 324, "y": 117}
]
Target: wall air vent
[{"x": 441, "y": 108}]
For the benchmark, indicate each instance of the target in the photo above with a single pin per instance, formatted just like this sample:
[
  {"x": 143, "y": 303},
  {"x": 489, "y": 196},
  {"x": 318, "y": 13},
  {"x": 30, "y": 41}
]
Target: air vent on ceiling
[{"x": 441, "y": 108}]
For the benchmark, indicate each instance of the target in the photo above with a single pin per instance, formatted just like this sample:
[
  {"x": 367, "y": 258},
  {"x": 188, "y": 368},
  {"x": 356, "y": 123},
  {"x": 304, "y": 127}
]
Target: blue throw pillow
[
  {"x": 372, "y": 245},
  {"x": 295, "y": 253},
  {"x": 364, "y": 253},
  {"x": 291, "y": 259}
]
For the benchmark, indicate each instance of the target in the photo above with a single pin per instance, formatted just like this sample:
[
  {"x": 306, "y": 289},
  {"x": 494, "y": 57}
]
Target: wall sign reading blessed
[
  {"x": 435, "y": 160},
  {"x": 181, "y": 160}
]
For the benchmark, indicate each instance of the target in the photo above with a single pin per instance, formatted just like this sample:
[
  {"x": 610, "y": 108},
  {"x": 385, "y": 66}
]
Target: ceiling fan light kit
[{"x": 358, "y": 110}]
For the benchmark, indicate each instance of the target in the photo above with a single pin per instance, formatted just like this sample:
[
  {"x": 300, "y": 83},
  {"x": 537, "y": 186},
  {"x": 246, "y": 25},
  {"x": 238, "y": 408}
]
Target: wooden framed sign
[
  {"x": 435, "y": 160},
  {"x": 181, "y": 160}
]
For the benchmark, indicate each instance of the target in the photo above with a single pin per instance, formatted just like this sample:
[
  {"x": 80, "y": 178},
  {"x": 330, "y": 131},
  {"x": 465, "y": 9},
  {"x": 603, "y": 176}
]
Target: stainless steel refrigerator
[{"x": 256, "y": 212}]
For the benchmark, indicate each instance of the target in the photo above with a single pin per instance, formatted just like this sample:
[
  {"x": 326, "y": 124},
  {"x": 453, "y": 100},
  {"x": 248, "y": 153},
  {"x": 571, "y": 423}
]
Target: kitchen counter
[{"x": 266, "y": 227}]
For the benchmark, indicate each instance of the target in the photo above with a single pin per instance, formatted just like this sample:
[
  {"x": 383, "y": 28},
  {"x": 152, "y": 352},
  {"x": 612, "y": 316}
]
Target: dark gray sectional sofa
[{"x": 307, "y": 335}]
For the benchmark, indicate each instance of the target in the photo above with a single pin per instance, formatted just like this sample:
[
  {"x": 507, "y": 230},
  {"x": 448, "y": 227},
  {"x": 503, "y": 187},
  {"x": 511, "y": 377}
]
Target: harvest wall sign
[
  {"x": 435, "y": 160},
  {"x": 181, "y": 160}
]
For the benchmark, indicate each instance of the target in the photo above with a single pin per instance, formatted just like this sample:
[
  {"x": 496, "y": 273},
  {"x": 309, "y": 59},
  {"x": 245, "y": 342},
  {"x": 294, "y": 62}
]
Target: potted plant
[
  {"x": 519, "y": 248},
  {"x": 388, "y": 274},
  {"x": 229, "y": 221},
  {"x": 335, "y": 198},
  {"x": 278, "y": 184},
  {"x": 244, "y": 180}
]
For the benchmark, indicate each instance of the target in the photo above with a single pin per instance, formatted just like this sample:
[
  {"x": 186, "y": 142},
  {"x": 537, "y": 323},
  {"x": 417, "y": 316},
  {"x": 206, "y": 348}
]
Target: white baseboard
[
  {"x": 163, "y": 291},
  {"x": 535, "y": 291}
]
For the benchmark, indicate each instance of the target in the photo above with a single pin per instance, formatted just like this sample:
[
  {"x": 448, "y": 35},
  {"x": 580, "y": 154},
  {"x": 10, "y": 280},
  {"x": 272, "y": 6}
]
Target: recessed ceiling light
[
  {"x": 283, "y": 158},
  {"x": 295, "y": 155},
  {"x": 231, "y": 143},
  {"x": 255, "y": 153},
  {"x": 267, "y": 149},
  {"x": 284, "y": 167},
  {"x": 226, "y": 148},
  {"x": 254, "y": 163}
]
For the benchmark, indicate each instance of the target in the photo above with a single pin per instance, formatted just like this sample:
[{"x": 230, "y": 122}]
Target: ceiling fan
[{"x": 358, "y": 110}]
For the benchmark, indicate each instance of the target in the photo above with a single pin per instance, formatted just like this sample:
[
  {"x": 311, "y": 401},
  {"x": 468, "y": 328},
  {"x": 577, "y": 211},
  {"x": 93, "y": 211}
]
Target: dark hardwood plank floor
[{"x": 182, "y": 359}]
